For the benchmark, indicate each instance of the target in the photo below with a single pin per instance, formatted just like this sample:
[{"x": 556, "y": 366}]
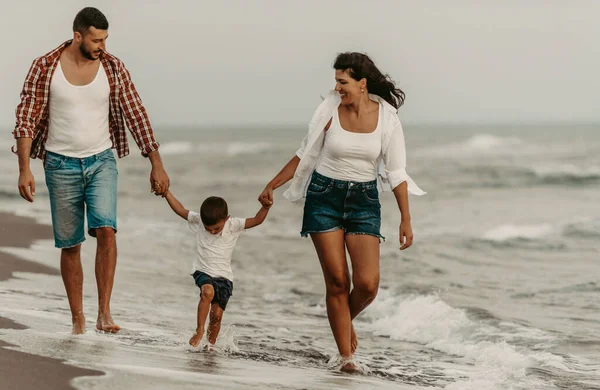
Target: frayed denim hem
[
  {"x": 381, "y": 238},
  {"x": 67, "y": 245},
  {"x": 307, "y": 232}
]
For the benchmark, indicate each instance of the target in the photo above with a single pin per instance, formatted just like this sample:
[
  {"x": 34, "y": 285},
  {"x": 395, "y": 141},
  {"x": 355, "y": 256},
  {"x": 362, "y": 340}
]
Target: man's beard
[{"x": 87, "y": 54}]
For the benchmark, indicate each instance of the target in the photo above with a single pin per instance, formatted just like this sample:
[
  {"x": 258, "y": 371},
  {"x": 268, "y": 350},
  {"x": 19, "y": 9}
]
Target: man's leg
[
  {"x": 214, "y": 326},
  {"x": 65, "y": 183},
  {"x": 101, "y": 201},
  {"x": 106, "y": 263},
  {"x": 207, "y": 293},
  {"x": 72, "y": 274}
]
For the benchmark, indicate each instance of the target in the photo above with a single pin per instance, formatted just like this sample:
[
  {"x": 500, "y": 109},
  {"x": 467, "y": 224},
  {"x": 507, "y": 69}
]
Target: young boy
[{"x": 216, "y": 236}]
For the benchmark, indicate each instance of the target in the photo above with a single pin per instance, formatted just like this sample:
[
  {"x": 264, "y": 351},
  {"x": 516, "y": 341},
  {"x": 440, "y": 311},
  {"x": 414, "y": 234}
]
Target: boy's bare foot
[
  {"x": 78, "y": 325},
  {"x": 105, "y": 323},
  {"x": 195, "y": 340},
  {"x": 353, "y": 341}
]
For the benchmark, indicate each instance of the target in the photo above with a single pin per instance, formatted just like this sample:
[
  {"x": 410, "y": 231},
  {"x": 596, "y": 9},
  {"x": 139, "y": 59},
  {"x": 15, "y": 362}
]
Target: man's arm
[
  {"x": 138, "y": 124},
  {"x": 176, "y": 206},
  {"x": 257, "y": 219},
  {"x": 26, "y": 179},
  {"x": 25, "y": 129}
]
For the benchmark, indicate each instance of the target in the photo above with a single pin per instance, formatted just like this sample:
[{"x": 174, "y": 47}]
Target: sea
[{"x": 500, "y": 290}]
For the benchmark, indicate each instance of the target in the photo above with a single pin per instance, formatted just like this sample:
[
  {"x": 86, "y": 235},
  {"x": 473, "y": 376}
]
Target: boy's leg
[
  {"x": 207, "y": 293},
  {"x": 214, "y": 326}
]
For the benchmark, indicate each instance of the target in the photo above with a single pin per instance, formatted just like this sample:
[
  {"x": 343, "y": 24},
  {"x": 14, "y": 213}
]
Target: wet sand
[{"x": 19, "y": 370}]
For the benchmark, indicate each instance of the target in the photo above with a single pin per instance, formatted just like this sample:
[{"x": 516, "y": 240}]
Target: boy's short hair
[{"x": 213, "y": 210}]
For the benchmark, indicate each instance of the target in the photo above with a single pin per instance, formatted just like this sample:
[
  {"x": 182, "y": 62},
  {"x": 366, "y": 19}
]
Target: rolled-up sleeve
[
  {"x": 394, "y": 159},
  {"x": 26, "y": 112},
  {"x": 135, "y": 115},
  {"x": 300, "y": 151}
]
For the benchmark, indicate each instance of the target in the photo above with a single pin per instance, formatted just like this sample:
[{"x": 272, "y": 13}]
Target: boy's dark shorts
[{"x": 223, "y": 287}]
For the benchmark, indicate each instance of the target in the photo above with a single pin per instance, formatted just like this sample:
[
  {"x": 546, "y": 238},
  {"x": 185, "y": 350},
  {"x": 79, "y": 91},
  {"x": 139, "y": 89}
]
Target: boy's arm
[
  {"x": 177, "y": 206},
  {"x": 257, "y": 219}
]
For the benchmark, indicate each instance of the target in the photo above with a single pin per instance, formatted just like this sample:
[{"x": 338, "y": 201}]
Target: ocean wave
[
  {"x": 477, "y": 145},
  {"x": 430, "y": 321},
  {"x": 583, "y": 229},
  {"x": 508, "y": 176},
  {"x": 523, "y": 232},
  {"x": 566, "y": 173},
  {"x": 230, "y": 149},
  {"x": 177, "y": 147}
]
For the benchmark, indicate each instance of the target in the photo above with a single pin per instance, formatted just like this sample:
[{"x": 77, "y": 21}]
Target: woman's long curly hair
[{"x": 361, "y": 66}]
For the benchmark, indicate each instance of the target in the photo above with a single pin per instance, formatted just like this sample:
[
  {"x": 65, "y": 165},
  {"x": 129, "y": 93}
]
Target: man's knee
[
  {"x": 71, "y": 252},
  {"x": 208, "y": 292},
  {"x": 104, "y": 233}
]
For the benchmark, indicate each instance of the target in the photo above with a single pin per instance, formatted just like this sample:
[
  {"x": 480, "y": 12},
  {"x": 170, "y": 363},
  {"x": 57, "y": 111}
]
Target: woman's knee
[
  {"x": 368, "y": 287},
  {"x": 338, "y": 284}
]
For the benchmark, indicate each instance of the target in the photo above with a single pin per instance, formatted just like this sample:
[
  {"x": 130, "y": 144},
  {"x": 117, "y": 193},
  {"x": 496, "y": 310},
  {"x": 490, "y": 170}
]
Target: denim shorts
[
  {"x": 77, "y": 186},
  {"x": 223, "y": 287},
  {"x": 338, "y": 204}
]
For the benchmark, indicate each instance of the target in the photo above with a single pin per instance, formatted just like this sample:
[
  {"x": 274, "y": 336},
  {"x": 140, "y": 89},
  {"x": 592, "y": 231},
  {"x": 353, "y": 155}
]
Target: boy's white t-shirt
[{"x": 215, "y": 250}]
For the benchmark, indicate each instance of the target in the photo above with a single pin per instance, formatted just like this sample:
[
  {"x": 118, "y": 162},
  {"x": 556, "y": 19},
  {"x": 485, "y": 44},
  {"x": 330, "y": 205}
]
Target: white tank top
[
  {"x": 350, "y": 156},
  {"x": 78, "y": 123}
]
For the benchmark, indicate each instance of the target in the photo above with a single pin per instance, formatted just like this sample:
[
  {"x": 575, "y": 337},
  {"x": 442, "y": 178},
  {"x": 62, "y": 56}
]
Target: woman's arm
[
  {"x": 285, "y": 175},
  {"x": 406, "y": 234}
]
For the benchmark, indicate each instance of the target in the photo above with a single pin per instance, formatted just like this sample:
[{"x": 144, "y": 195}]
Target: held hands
[
  {"x": 406, "y": 235},
  {"x": 266, "y": 197},
  {"x": 159, "y": 181}
]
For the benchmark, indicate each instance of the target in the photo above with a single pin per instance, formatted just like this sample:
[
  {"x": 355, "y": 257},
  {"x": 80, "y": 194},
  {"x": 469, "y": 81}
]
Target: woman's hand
[
  {"x": 266, "y": 197},
  {"x": 406, "y": 235}
]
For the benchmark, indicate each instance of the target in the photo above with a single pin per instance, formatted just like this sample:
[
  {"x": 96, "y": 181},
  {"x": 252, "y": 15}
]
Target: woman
[{"x": 355, "y": 143}]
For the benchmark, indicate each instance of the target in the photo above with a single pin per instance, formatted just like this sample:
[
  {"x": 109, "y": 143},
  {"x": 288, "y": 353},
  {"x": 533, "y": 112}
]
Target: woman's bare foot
[
  {"x": 105, "y": 324},
  {"x": 196, "y": 338},
  {"x": 353, "y": 341},
  {"x": 78, "y": 325},
  {"x": 349, "y": 366}
]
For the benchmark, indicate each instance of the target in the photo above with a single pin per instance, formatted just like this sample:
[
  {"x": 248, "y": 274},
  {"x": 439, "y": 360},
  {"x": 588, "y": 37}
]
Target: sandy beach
[{"x": 20, "y": 370}]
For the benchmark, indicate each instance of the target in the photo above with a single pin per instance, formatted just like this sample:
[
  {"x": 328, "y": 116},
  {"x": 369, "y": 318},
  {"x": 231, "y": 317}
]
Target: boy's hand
[
  {"x": 265, "y": 203},
  {"x": 156, "y": 189}
]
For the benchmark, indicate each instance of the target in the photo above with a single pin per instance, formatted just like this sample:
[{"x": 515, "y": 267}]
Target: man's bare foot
[
  {"x": 105, "y": 324},
  {"x": 78, "y": 325},
  {"x": 353, "y": 341},
  {"x": 196, "y": 338}
]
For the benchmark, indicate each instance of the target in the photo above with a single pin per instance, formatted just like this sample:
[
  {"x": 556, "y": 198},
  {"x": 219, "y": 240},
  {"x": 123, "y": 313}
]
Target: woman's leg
[
  {"x": 332, "y": 256},
  {"x": 364, "y": 256}
]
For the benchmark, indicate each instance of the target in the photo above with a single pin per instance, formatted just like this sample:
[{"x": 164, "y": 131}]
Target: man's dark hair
[
  {"x": 213, "y": 210},
  {"x": 89, "y": 17}
]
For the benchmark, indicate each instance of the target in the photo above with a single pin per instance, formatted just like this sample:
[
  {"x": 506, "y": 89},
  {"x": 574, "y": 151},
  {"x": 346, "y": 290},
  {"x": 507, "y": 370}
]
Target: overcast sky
[{"x": 206, "y": 63}]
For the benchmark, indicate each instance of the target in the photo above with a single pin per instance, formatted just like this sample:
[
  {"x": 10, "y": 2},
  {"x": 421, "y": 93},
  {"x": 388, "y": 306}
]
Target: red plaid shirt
[{"x": 125, "y": 106}]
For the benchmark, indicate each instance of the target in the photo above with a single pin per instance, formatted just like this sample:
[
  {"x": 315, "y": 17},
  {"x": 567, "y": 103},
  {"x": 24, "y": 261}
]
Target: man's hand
[
  {"x": 159, "y": 181},
  {"x": 27, "y": 185}
]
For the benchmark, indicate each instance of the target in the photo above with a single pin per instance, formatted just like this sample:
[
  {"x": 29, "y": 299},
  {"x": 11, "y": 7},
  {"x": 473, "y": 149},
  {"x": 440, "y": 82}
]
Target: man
[{"x": 75, "y": 104}]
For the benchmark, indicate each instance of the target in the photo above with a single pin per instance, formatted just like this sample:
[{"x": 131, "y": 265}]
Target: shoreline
[{"x": 21, "y": 370}]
